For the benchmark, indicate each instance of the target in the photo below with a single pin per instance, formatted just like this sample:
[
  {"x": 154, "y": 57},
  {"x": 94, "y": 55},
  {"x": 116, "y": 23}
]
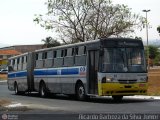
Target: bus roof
[
  {"x": 89, "y": 42},
  {"x": 103, "y": 40}
]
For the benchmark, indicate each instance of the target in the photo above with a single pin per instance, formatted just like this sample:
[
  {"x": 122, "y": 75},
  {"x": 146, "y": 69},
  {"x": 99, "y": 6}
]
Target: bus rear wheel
[
  {"x": 80, "y": 92},
  {"x": 117, "y": 98},
  {"x": 43, "y": 90}
]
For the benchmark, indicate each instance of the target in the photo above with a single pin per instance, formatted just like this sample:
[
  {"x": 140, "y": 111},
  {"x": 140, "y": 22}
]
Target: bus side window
[
  {"x": 54, "y": 57},
  {"x": 44, "y": 55},
  {"x": 58, "y": 61},
  {"x": 48, "y": 59},
  {"x": 76, "y": 50},
  {"x": 69, "y": 58},
  {"x": 15, "y": 65},
  {"x": 24, "y": 63},
  {"x": 54, "y": 54},
  {"x": 26, "y": 59},
  {"x": 10, "y": 69},
  {"x": 80, "y": 58},
  {"x": 36, "y": 56},
  {"x": 39, "y": 60},
  {"x": 19, "y": 63}
]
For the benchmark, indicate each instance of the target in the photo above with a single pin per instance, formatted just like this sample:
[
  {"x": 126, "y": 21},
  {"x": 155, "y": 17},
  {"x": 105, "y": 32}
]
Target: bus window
[
  {"x": 70, "y": 52},
  {"x": 36, "y": 56},
  {"x": 26, "y": 59},
  {"x": 22, "y": 59},
  {"x": 76, "y": 51},
  {"x": 82, "y": 50},
  {"x": 59, "y": 54},
  {"x": 55, "y": 54},
  {"x": 40, "y": 56},
  {"x": 44, "y": 56},
  {"x": 49, "y": 54},
  {"x": 13, "y": 62},
  {"x": 39, "y": 60},
  {"x": 62, "y": 53},
  {"x": 122, "y": 60},
  {"x": 73, "y": 51},
  {"x": 69, "y": 58},
  {"x": 65, "y": 52},
  {"x": 18, "y": 60},
  {"x": 80, "y": 58}
]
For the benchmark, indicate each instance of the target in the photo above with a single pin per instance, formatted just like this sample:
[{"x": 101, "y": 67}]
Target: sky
[{"x": 17, "y": 26}]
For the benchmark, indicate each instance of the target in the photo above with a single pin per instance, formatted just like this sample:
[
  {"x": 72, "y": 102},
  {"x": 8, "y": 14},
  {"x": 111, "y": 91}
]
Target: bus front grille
[{"x": 127, "y": 81}]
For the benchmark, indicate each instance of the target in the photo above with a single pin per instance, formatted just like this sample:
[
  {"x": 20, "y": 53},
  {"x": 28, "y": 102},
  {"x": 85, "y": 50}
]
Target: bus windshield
[{"x": 123, "y": 60}]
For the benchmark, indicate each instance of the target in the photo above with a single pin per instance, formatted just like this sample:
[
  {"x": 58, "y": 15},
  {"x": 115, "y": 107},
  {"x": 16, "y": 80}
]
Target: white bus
[{"x": 104, "y": 67}]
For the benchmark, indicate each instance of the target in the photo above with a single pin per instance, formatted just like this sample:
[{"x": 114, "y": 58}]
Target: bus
[{"x": 104, "y": 67}]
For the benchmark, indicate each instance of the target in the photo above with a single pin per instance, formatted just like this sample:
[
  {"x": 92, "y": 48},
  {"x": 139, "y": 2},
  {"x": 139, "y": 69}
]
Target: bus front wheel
[
  {"x": 43, "y": 90},
  {"x": 80, "y": 92}
]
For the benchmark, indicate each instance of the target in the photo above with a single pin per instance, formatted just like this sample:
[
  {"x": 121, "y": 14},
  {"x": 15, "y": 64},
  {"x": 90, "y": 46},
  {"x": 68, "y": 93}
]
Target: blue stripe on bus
[
  {"x": 45, "y": 72},
  {"x": 11, "y": 75},
  {"x": 51, "y": 72},
  {"x": 17, "y": 74},
  {"x": 41, "y": 72},
  {"x": 71, "y": 71},
  {"x": 21, "y": 74}
]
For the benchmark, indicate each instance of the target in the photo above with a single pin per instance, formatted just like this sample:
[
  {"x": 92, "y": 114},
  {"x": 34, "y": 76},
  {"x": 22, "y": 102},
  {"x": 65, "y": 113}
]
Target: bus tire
[
  {"x": 16, "y": 89},
  {"x": 80, "y": 92},
  {"x": 43, "y": 90},
  {"x": 117, "y": 98}
]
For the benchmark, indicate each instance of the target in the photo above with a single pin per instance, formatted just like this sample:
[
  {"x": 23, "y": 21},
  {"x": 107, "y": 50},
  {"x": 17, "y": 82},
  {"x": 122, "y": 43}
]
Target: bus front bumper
[{"x": 109, "y": 89}]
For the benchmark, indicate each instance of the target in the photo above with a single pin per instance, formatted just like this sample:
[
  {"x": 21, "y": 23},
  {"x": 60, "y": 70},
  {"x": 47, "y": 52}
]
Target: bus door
[{"x": 93, "y": 57}]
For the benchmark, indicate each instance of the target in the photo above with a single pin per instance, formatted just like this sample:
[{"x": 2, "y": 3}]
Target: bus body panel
[
  {"x": 60, "y": 80},
  {"x": 122, "y": 84},
  {"x": 22, "y": 74}
]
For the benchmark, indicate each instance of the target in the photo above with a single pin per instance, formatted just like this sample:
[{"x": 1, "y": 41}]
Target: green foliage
[
  {"x": 158, "y": 29},
  {"x": 154, "y": 54},
  {"x": 83, "y": 20},
  {"x": 50, "y": 42}
]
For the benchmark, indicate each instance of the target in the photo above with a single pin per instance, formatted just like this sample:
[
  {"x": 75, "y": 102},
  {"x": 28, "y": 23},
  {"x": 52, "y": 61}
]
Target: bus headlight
[
  {"x": 107, "y": 79},
  {"x": 145, "y": 79}
]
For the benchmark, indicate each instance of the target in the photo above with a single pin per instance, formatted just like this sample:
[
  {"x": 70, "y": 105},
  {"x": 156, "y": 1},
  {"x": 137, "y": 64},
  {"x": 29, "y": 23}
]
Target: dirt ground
[
  {"x": 153, "y": 81},
  {"x": 3, "y": 76}
]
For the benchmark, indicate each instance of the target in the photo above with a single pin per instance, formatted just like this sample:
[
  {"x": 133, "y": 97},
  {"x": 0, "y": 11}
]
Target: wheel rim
[
  {"x": 81, "y": 92},
  {"x": 42, "y": 91},
  {"x": 16, "y": 89}
]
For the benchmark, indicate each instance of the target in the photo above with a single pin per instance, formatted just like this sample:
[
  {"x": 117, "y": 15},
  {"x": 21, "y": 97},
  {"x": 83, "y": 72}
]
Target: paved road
[{"x": 64, "y": 107}]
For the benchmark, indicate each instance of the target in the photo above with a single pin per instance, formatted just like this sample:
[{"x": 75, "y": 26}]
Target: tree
[
  {"x": 153, "y": 52},
  {"x": 50, "y": 42},
  {"x": 138, "y": 38},
  {"x": 154, "y": 55},
  {"x": 83, "y": 20},
  {"x": 158, "y": 29}
]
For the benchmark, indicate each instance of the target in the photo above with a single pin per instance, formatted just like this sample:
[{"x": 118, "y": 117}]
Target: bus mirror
[{"x": 101, "y": 52}]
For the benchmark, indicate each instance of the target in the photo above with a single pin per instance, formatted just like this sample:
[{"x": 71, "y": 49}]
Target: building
[
  {"x": 10, "y": 51},
  {"x": 4, "y": 55},
  {"x": 23, "y": 48}
]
